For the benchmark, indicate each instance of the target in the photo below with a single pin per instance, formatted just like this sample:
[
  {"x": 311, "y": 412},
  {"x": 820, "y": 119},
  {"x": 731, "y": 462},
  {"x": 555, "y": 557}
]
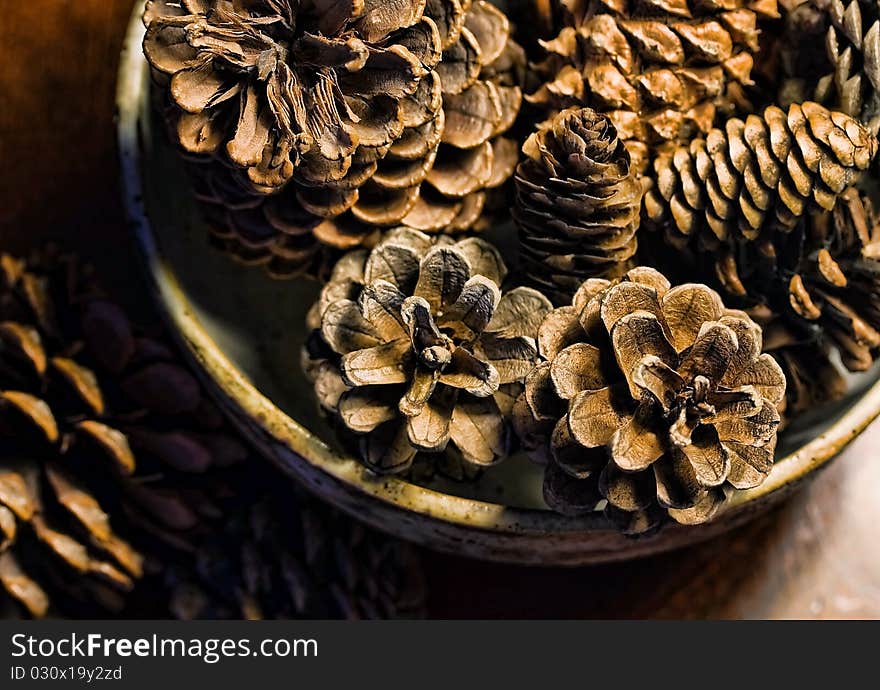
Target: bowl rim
[{"x": 280, "y": 434}]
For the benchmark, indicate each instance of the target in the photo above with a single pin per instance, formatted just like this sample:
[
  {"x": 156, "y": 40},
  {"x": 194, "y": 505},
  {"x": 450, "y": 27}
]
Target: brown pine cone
[
  {"x": 578, "y": 203},
  {"x": 283, "y": 90},
  {"x": 757, "y": 177},
  {"x": 112, "y": 455},
  {"x": 846, "y": 76},
  {"x": 274, "y": 553},
  {"x": 663, "y": 72},
  {"x": 440, "y": 153},
  {"x": 656, "y": 399},
  {"x": 418, "y": 348},
  {"x": 824, "y": 275}
]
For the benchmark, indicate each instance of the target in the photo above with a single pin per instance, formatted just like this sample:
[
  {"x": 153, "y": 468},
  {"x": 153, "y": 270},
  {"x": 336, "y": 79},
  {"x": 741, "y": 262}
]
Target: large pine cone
[
  {"x": 653, "y": 398},
  {"x": 757, "y": 177},
  {"x": 662, "y": 71},
  {"x": 111, "y": 455},
  {"x": 578, "y": 203},
  {"x": 438, "y": 153},
  {"x": 416, "y": 349}
]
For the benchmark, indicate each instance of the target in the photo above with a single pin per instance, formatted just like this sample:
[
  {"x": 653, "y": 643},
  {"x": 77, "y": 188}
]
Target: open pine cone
[
  {"x": 663, "y": 72},
  {"x": 825, "y": 275},
  {"x": 578, "y": 203},
  {"x": 655, "y": 399},
  {"x": 112, "y": 456},
  {"x": 418, "y": 95},
  {"x": 417, "y": 348}
]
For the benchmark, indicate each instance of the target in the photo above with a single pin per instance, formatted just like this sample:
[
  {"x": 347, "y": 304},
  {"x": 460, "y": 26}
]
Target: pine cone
[
  {"x": 417, "y": 349},
  {"x": 656, "y": 399},
  {"x": 111, "y": 454},
  {"x": 441, "y": 149},
  {"x": 824, "y": 275},
  {"x": 578, "y": 203},
  {"x": 663, "y": 72},
  {"x": 287, "y": 90},
  {"x": 757, "y": 177},
  {"x": 65, "y": 435},
  {"x": 812, "y": 377},
  {"x": 846, "y": 76},
  {"x": 278, "y": 554}
]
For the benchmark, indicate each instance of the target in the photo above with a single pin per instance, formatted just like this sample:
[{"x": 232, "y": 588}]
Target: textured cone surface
[
  {"x": 109, "y": 453},
  {"x": 577, "y": 204},
  {"x": 655, "y": 399},
  {"x": 438, "y": 158},
  {"x": 824, "y": 278},
  {"x": 662, "y": 71},
  {"x": 416, "y": 349},
  {"x": 846, "y": 74},
  {"x": 757, "y": 177},
  {"x": 277, "y": 554}
]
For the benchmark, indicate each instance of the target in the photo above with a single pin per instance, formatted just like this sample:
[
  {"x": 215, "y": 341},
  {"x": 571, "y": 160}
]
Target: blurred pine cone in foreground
[{"x": 114, "y": 465}]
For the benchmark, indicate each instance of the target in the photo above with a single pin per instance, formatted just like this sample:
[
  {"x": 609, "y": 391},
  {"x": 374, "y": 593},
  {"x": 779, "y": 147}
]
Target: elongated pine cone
[
  {"x": 417, "y": 349},
  {"x": 757, "y": 177},
  {"x": 662, "y": 71},
  {"x": 655, "y": 399},
  {"x": 577, "y": 205},
  {"x": 418, "y": 98},
  {"x": 115, "y": 469},
  {"x": 846, "y": 76}
]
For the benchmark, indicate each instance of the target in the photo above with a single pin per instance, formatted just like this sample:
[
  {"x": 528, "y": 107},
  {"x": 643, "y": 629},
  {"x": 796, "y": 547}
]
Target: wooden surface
[{"x": 818, "y": 557}]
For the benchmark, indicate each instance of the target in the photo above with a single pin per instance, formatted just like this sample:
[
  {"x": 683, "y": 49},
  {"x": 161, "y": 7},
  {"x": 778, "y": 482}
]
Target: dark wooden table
[{"x": 818, "y": 557}]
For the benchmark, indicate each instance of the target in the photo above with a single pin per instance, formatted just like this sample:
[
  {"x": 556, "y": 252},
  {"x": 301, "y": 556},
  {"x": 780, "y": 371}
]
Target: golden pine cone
[
  {"x": 416, "y": 349},
  {"x": 578, "y": 203},
  {"x": 662, "y": 71},
  {"x": 655, "y": 399},
  {"x": 757, "y": 177}
]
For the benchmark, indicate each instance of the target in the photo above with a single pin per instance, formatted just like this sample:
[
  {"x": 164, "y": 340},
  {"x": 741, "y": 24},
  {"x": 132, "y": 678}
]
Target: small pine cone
[
  {"x": 758, "y": 176},
  {"x": 417, "y": 348},
  {"x": 577, "y": 205},
  {"x": 663, "y": 72},
  {"x": 653, "y": 398},
  {"x": 846, "y": 76},
  {"x": 427, "y": 152}
]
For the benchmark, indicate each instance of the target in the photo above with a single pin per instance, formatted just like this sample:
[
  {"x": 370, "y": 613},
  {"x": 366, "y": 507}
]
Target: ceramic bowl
[{"x": 243, "y": 331}]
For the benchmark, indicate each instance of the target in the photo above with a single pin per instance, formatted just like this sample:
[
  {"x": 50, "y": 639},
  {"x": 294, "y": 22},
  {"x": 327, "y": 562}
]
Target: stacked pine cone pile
[
  {"x": 119, "y": 480},
  {"x": 688, "y": 196}
]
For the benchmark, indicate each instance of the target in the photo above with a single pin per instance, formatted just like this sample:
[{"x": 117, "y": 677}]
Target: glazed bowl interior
[{"x": 244, "y": 331}]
